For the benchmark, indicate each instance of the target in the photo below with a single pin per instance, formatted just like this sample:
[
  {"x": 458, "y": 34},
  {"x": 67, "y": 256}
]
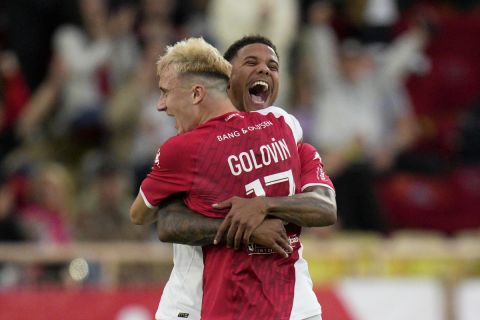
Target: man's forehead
[
  {"x": 257, "y": 50},
  {"x": 167, "y": 75}
]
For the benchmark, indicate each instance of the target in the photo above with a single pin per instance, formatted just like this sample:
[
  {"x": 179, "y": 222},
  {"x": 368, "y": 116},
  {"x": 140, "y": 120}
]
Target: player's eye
[
  {"x": 163, "y": 93},
  {"x": 273, "y": 67}
]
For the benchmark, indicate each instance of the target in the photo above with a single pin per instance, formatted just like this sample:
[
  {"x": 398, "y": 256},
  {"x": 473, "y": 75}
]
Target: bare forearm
[
  {"x": 177, "y": 224},
  {"x": 141, "y": 214},
  {"x": 317, "y": 208}
]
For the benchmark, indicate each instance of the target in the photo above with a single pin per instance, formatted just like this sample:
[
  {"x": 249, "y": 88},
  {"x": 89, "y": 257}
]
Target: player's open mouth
[{"x": 259, "y": 92}]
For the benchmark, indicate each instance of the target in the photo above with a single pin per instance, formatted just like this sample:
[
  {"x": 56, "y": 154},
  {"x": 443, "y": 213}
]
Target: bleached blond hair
[{"x": 195, "y": 56}]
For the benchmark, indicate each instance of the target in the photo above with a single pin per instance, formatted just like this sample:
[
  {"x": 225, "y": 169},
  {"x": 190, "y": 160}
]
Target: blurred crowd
[{"x": 388, "y": 91}]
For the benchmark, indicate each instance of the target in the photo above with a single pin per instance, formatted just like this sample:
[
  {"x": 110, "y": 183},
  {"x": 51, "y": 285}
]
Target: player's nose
[
  {"x": 263, "y": 68},
  {"x": 161, "y": 105}
]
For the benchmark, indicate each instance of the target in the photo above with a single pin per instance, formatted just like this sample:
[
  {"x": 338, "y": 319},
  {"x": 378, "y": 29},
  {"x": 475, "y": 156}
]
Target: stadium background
[{"x": 78, "y": 129}]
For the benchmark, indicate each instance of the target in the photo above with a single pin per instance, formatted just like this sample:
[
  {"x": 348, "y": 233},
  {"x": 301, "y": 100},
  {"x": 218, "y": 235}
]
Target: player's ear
[{"x": 198, "y": 93}]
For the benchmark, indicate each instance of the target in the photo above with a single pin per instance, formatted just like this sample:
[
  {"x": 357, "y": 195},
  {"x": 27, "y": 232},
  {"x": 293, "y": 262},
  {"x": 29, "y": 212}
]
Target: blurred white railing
[{"x": 413, "y": 254}]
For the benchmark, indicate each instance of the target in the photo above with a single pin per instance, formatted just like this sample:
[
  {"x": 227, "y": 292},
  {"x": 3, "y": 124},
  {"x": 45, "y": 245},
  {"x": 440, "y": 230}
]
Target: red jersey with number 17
[{"x": 242, "y": 154}]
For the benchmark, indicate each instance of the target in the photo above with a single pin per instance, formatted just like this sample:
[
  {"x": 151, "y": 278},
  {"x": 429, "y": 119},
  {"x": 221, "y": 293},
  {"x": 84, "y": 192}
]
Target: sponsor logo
[
  {"x": 254, "y": 248},
  {"x": 244, "y": 130},
  {"x": 229, "y": 135},
  {"x": 183, "y": 315},
  {"x": 293, "y": 240}
]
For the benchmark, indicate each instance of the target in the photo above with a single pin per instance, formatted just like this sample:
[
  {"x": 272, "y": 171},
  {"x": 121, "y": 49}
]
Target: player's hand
[
  {"x": 244, "y": 217},
  {"x": 271, "y": 234}
]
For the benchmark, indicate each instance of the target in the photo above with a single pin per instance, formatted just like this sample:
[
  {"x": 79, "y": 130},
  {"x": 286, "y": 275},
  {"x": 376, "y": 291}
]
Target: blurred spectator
[
  {"x": 469, "y": 135},
  {"x": 157, "y": 20},
  {"x": 136, "y": 126},
  {"x": 276, "y": 19},
  {"x": 125, "y": 44},
  {"x": 362, "y": 117},
  {"x": 10, "y": 227},
  {"x": 10, "y": 230},
  {"x": 14, "y": 94},
  {"x": 81, "y": 76},
  {"x": 158, "y": 10},
  {"x": 373, "y": 21},
  {"x": 31, "y": 124},
  {"x": 101, "y": 89},
  {"x": 47, "y": 215},
  {"x": 104, "y": 205},
  {"x": 194, "y": 20},
  {"x": 442, "y": 95},
  {"x": 40, "y": 18},
  {"x": 83, "y": 53}
]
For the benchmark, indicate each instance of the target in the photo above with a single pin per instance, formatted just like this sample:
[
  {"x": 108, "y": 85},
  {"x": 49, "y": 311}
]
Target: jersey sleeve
[
  {"x": 292, "y": 122},
  {"x": 170, "y": 173},
  {"x": 312, "y": 169}
]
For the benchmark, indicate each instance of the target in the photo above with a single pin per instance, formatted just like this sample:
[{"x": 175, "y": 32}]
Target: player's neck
[{"x": 217, "y": 108}]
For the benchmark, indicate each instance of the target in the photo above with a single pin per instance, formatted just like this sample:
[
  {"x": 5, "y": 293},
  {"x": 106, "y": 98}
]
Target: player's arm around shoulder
[
  {"x": 178, "y": 224},
  {"x": 316, "y": 206}
]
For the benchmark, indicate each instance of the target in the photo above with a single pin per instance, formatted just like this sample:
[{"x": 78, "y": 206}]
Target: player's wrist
[{"x": 267, "y": 205}]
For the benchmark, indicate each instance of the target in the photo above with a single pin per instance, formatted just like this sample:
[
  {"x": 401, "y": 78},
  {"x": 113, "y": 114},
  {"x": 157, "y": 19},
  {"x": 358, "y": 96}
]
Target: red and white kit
[{"x": 242, "y": 154}]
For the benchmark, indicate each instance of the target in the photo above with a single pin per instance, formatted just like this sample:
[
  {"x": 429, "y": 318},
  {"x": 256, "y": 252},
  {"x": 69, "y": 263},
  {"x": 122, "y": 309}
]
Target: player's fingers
[
  {"x": 278, "y": 249},
  {"x": 232, "y": 230},
  {"x": 239, "y": 236},
  {"x": 223, "y": 204},
  {"x": 246, "y": 236},
  {"x": 221, "y": 231},
  {"x": 285, "y": 244}
]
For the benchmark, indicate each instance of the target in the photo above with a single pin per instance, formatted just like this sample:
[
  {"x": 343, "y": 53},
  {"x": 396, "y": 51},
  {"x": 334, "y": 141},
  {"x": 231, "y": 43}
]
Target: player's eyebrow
[
  {"x": 274, "y": 62},
  {"x": 163, "y": 91},
  {"x": 256, "y": 59},
  {"x": 250, "y": 57}
]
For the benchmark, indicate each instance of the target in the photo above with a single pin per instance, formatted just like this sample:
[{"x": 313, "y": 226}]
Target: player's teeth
[{"x": 260, "y": 83}]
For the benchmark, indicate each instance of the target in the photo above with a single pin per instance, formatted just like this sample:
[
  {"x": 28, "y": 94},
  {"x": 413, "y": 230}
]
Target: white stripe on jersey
[
  {"x": 147, "y": 203},
  {"x": 289, "y": 119},
  {"x": 317, "y": 184}
]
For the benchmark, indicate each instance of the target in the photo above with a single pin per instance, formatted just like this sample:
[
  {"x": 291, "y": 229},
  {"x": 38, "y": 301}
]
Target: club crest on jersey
[
  {"x": 320, "y": 171},
  {"x": 157, "y": 158}
]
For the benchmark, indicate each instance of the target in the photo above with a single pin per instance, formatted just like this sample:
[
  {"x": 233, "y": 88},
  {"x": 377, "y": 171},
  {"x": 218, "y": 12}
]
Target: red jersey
[
  {"x": 237, "y": 154},
  {"x": 313, "y": 171}
]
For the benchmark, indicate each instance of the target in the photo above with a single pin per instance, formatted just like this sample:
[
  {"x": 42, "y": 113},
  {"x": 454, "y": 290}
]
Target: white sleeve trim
[
  {"x": 148, "y": 204},
  {"x": 317, "y": 184},
  {"x": 292, "y": 122}
]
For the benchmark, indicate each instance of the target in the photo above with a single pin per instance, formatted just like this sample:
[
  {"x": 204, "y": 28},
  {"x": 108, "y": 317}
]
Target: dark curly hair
[{"x": 245, "y": 41}]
